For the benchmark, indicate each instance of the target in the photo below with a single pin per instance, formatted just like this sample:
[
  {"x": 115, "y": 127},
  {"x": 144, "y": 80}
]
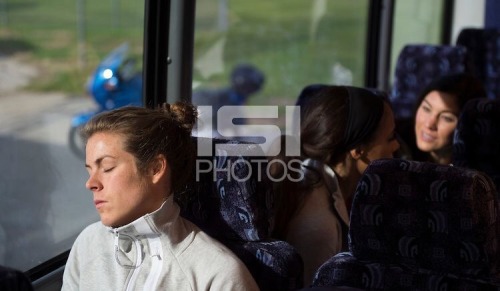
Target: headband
[{"x": 366, "y": 108}]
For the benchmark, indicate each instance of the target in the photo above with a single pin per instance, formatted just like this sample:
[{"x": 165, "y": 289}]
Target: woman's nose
[
  {"x": 93, "y": 183},
  {"x": 431, "y": 122}
]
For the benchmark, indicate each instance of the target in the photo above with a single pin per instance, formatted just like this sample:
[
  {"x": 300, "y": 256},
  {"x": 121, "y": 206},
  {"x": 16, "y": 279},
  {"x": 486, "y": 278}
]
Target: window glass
[
  {"x": 477, "y": 14},
  {"x": 288, "y": 45},
  {"x": 48, "y": 50},
  {"x": 415, "y": 22},
  {"x": 302, "y": 42}
]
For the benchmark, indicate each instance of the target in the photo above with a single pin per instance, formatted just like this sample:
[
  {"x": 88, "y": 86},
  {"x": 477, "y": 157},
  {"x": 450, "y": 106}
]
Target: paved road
[{"x": 42, "y": 182}]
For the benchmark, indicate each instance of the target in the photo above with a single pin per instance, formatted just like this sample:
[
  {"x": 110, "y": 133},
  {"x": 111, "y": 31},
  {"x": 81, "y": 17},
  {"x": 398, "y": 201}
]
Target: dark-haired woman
[
  {"x": 437, "y": 113},
  {"x": 343, "y": 129}
]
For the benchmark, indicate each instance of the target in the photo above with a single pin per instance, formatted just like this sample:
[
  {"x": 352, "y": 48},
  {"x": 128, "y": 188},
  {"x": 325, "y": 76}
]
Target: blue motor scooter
[{"x": 116, "y": 82}]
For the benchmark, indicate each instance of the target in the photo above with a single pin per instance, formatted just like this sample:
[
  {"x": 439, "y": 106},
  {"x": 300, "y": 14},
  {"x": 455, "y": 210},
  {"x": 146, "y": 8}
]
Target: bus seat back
[
  {"x": 483, "y": 53},
  {"x": 476, "y": 143},
  {"x": 231, "y": 201},
  {"x": 417, "y": 65},
  {"x": 415, "y": 224}
]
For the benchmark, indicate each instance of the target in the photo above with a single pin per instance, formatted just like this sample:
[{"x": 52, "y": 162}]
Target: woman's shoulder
[
  {"x": 208, "y": 247},
  {"x": 315, "y": 218},
  {"x": 91, "y": 233},
  {"x": 208, "y": 256}
]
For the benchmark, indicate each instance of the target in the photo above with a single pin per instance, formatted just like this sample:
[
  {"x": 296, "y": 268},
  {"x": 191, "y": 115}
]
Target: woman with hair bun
[{"x": 137, "y": 160}]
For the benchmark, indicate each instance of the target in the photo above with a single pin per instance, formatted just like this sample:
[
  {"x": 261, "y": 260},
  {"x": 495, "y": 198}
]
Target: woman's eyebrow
[{"x": 98, "y": 161}]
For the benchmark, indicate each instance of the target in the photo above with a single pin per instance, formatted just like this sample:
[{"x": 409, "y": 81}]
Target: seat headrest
[
  {"x": 416, "y": 67},
  {"x": 482, "y": 52},
  {"x": 476, "y": 143},
  {"x": 229, "y": 193},
  {"x": 426, "y": 215}
]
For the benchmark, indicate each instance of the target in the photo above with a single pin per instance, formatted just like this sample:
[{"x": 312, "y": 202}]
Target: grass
[
  {"x": 46, "y": 33},
  {"x": 274, "y": 35}
]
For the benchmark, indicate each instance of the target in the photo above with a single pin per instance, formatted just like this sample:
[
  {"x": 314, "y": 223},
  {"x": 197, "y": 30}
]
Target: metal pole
[
  {"x": 180, "y": 71},
  {"x": 155, "y": 57}
]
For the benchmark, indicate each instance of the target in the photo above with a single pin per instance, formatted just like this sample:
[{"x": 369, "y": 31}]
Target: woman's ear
[
  {"x": 357, "y": 153},
  {"x": 159, "y": 168}
]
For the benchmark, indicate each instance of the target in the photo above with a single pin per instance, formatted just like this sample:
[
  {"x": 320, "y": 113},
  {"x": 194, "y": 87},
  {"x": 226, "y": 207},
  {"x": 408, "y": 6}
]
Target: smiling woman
[
  {"x": 133, "y": 157},
  {"x": 436, "y": 116}
]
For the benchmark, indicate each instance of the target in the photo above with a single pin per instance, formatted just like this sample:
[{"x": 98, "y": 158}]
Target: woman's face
[
  {"x": 435, "y": 121},
  {"x": 384, "y": 143},
  {"x": 121, "y": 193}
]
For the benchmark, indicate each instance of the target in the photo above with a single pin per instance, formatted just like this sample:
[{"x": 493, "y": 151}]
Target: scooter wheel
[{"x": 75, "y": 142}]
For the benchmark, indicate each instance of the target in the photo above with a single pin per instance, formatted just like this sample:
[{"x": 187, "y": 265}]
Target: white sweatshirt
[{"x": 160, "y": 250}]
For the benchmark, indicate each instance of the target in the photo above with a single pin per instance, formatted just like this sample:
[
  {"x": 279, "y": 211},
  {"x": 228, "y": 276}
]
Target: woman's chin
[{"x": 425, "y": 147}]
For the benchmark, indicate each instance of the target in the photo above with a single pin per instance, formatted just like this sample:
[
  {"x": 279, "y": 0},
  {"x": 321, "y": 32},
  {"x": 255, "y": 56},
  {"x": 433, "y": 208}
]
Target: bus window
[
  {"x": 467, "y": 15},
  {"x": 305, "y": 42},
  {"x": 421, "y": 22},
  {"x": 48, "y": 50},
  {"x": 415, "y": 22}
]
